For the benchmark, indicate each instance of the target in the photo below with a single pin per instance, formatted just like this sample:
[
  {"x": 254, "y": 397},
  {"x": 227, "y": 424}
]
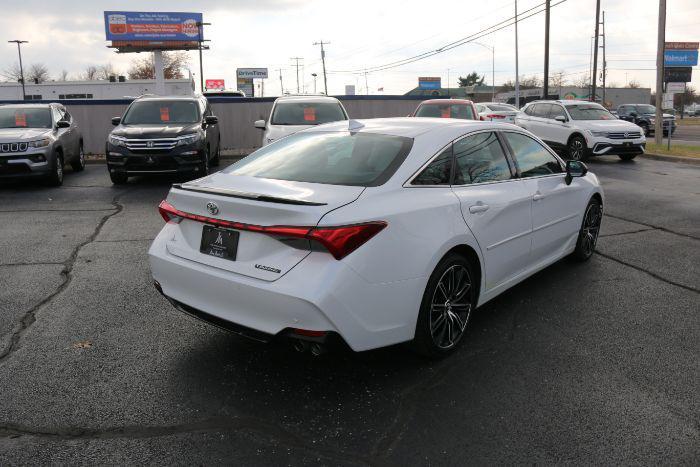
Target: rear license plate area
[{"x": 218, "y": 242}]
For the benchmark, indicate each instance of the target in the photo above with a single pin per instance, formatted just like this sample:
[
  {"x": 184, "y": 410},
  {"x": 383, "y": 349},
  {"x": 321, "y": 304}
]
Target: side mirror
[
  {"x": 575, "y": 169},
  {"x": 259, "y": 124},
  {"x": 211, "y": 120},
  {"x": 560, "y": 118},
  {"x": 116, "y": 120},
  {"x": 62, "y": 124},
  {"x": 633, "y": 114}
]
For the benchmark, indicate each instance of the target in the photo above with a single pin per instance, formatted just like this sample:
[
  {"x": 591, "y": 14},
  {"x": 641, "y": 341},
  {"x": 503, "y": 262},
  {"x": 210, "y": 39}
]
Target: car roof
[
  {"x": 34, "y": 106},
  {"x": 447, "y": 101},
  {"x": 307, "y": 98},
  {"x": 166, "y": 98},
  {"x": 561, "y": 101},
  {"x": 409, "y": 127}
]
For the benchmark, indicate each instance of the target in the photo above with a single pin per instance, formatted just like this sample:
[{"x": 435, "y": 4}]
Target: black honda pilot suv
[{"x": 157, "y": 134}]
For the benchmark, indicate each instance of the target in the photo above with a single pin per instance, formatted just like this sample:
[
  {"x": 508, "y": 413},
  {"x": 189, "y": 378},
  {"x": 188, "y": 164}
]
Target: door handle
[
  {"x": 478, "y": 208},
  {"x": 538, "y": 197}
]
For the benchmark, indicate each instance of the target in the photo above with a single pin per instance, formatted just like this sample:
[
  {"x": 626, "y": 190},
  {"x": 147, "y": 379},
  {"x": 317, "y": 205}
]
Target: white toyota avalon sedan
[{"x": 373, "y": 231}]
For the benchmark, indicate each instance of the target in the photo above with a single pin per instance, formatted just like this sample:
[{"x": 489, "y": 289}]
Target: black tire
[
  {"x": 78, "y": 164},
  {"x": 577, "y": 149},
  {"x": 55, "y": 178},
  {"x": 441, "y": 326},
  {"x": 626, "y": 157},
  {"x": 216, "y": 160},
  {"x": 118, "y": 178},
  {"x": 645, "y": 128},
  {"x": 204, "y": 165},
  {"x": 590, "y": 228}
]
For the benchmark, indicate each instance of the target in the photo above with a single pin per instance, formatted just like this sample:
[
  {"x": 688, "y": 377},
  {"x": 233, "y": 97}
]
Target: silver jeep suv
[{"x": 36, "y": 140}]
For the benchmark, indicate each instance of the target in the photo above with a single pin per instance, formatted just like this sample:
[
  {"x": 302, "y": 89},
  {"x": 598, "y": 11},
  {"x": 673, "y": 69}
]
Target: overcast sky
[{"x": 362, "y": 33}]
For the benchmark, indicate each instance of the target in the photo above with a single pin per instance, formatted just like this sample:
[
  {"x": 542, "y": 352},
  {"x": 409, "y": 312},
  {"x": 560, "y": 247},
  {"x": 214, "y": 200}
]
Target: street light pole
[
  {"x": 201, "y": 46},
  {"x": 661, "y": 42},
  {"x": 493, "y": 68},
  {"x": 314, "y": 75},
  {"x": 21, "y": 69},
  {"x": 546, "y": 52},
  {"x": 517, "y": 78}
]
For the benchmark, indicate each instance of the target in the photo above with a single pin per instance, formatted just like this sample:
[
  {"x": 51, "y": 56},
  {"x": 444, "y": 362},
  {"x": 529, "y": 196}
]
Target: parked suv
[
  {"x": 163, "y": 135},
  {"x": 644, "y": 115},
  {"x": 581, "y": 129},
  {"x": 290, "y": 114},
  {"x": 36, "y": 140}
]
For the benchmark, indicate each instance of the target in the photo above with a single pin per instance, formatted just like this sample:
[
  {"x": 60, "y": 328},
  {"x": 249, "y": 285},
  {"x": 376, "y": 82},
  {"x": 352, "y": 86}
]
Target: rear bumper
[{"x": 318, "y": 294}]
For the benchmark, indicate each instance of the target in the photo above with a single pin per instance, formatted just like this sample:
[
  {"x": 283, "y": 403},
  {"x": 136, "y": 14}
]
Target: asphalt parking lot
[{"x": 595, "y": 363}]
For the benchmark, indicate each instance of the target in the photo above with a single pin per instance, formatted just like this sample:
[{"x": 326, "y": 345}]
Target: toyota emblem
[{"x": 212, "y": 208}]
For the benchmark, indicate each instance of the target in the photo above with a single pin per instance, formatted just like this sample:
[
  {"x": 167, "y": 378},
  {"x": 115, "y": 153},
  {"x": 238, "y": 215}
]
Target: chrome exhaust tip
[
  {"x": 300, "y": 346},
  {"x": 317, "y": 350}
]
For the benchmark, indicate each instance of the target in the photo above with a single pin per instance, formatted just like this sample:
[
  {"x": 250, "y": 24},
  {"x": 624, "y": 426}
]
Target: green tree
[{"x": 471, "y": 79}]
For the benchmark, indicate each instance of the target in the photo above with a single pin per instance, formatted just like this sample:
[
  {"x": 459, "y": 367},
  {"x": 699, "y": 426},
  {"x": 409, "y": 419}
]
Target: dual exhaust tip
[{"x": 313, "y": 348}]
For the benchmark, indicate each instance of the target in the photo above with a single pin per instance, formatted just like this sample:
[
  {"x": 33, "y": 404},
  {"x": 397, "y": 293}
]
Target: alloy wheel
[
  {"x": 82, "y": 157},
  {"x": 576, "y": 150},
  {"x": 59, "y": 169},
  {"x": 450, "y": 307},
  {"x": 591, "y": 228}
]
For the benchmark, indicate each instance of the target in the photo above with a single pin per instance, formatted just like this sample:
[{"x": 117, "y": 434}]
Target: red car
[{"x": 447, "y": 108}]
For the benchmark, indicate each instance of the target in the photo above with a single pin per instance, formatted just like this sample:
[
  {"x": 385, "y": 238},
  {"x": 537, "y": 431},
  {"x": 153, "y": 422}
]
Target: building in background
[
  {"x": 613, "y": 96},
  {"x": 102, "y": 90},
  {"x": 474, "y": 93}
]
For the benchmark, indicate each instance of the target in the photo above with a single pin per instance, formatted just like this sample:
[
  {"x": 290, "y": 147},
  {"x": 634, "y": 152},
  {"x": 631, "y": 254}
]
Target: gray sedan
[{"x": 36, "y": 140}]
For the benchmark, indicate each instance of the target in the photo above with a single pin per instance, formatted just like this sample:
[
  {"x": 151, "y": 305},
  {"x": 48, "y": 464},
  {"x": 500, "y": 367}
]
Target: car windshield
[
  {"x": 24, "y": 117},
  {"x": 462, "y": 111},
  {"x": 161, "y": 112},
  {"x": 646, "y": 109},
  {"x": 307, "y": 113},
  {"x": 334, "y": 158},
  {"x": 589, "y": 112},
  {"x": 501, "y": 107}
]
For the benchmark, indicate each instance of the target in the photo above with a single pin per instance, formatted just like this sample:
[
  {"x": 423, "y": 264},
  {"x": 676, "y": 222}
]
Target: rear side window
[
  {"x": 532, "y": 158},
  {"x": 461, "y": 111},
  {"x": 480, "y": 158},
  {"x": 307, "y": 113},
  {"x": 438, "y": 172},
  {"x": 334, "y": 158}
]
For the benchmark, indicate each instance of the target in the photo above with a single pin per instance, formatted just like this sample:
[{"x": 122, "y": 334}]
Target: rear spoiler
[{"x": 242, "y": 194}]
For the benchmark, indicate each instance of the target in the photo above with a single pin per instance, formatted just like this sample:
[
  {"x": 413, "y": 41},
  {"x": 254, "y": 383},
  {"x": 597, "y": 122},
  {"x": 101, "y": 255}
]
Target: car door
[
  {"x": 536, "y": 118},
  {"x": 557, "y": 132},
  {"x": 73, "y": 133},
  {"x": 495, "y": 205},
  {"x": 62, "y": 134},
  {"x": 556, "y": 206},
  {"x": 212, "y": 130}
]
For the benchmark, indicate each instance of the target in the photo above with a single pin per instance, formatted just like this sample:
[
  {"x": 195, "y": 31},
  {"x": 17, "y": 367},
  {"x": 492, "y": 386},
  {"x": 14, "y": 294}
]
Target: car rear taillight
[
  {"x": 495, "y": 116},
  {"x": 340, "y": 241}
]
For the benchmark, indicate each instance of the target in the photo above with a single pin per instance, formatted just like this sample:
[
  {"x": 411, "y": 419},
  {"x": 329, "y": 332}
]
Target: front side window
[
  {"x": 542, "y": 110},
  {"x": 480, "y": 158},
  {"x": 161, "y": 112},
  {"x": 532, "y": 158},
  {"x": 557, "y": 111},
  {"x": 438, "y": 172},
  {"x": 589, "y": 112},
  {"x": 334, "y": 158},
  {"x": 25, "y": 117},
  {"x": 461, "y": 111},
  {"x": 306, "y": 113}
]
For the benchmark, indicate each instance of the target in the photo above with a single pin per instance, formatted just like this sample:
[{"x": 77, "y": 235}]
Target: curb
[{"x": 663, "y": 157}]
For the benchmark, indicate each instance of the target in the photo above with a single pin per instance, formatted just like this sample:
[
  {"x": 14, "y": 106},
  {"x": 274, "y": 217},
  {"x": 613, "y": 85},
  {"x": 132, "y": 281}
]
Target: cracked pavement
[{"x": 582, "y": 363}]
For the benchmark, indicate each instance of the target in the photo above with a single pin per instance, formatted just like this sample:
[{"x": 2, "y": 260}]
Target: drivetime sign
[{"x": 144, "y": 26}]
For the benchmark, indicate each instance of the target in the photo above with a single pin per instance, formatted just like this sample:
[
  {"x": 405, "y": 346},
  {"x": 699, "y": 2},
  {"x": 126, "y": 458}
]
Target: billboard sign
[
  {"x": 251, "y": 73},
  {"x": 144, "y": 26},
  {"x": 678, "y": 74},
  {"x": 681, "y": 45},
  {"x": 674, "y": 58},
  {"x": 214, "y": 84},
  {"x": 429, "y": 82},
  {"x": 245, "y": 85}
]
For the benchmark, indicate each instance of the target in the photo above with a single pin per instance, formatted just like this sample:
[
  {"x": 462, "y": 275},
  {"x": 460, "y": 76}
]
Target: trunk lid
[{"x": 257, "y": 202}]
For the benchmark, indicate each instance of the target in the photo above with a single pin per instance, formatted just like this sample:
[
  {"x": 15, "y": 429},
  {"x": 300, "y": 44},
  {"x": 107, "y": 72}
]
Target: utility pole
[
  {"x": 595, "y": 49},
  {"x": 366, "y": 85},
  {"x": 658, "y": 124},
  {"x": 21, "y": 69},
  {"x": 281, "y": 84},
  {"x": 546, "y": 51},
  {"x": 448, "y": 82},
  {"x": 590, "y": 70},
  {"x": 200, "y": 26},
  {"x": 323, "y": 61},
  {"x": 296, "y": 59},
  {"x": 605, "y": 69},
  {"x": 517, "y": 77}
]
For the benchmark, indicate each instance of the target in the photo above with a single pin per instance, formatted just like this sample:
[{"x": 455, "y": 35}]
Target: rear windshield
[
  {"x": 462, "y": 111},
  {"x": 589, "y": 112},
  {"x": 23, "y": 117},
  {"x": 501, "y": 107},
  {"x": 154, "y": 112},
  {"x": 307, "y": 113},
  {"x": 334, "y": 158}
]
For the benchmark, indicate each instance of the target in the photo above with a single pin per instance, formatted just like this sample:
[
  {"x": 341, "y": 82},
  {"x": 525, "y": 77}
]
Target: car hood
[
  {"x": 606, "y": 125},
  {"x": 11, "y": 135},
  {"x": 665, "y": 116},
  {"x": 275, "y": 132},
  {"x": 155, "y": 131}
]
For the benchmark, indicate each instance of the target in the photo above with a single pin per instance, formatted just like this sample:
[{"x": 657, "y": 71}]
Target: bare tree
[
  {"x": 173, "y": 63},
  {"x": 634, "y": 84},
  {"x": 583, "y": 81},
  {"x": 89, "y": 74},
  {"x": 12, "y": 73},
  {"x": 37, "y": 73},
  {"x": 557, "y": 80},
  {"x": 105, "y": 71},
  {"x": 63, "y": 76}
]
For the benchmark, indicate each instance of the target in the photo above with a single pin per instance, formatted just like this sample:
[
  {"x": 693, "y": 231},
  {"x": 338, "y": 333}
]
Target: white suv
[
  {"x": 290, "y": 114},
  {"x": 582, "y": 129}
]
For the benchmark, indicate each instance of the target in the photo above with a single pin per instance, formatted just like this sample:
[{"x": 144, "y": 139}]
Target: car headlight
[
  {"x": 652, "y": 120},
  {"x": 188, "y": 139},
  {"x": 601, "y": 134},
  {"x": 117, "y": 140},
  {"x": 40, "y": 143}
]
